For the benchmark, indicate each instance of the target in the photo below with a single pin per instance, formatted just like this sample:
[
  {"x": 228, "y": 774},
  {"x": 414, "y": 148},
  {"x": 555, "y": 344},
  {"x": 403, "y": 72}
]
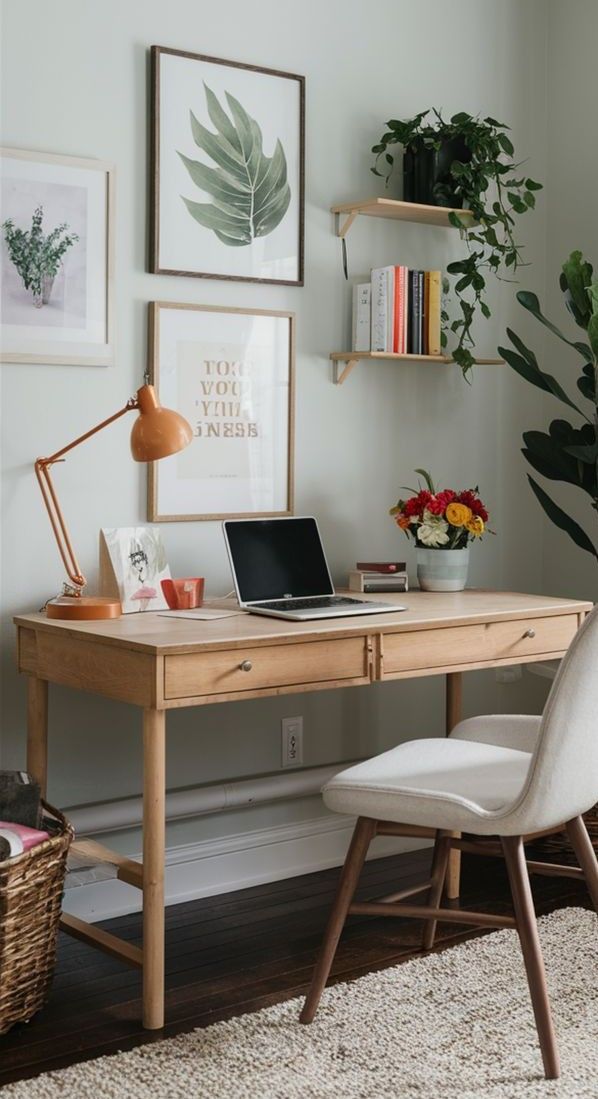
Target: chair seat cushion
[{"x": 450, "y": 783}]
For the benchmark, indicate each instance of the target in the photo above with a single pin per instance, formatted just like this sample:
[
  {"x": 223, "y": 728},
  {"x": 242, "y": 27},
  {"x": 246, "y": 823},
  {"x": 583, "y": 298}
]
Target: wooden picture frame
[
  {"x": 78, "y": 309},
  {"x": 232, "y": 375},
  {"x": 268, "y": 245}
]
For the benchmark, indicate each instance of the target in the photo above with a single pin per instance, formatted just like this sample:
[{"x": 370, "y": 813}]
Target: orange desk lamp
[{"x": 157, "y": 432}]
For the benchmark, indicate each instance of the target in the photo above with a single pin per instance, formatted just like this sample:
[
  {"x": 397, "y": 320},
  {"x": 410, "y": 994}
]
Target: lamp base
[{"x": 83, "y": 607}]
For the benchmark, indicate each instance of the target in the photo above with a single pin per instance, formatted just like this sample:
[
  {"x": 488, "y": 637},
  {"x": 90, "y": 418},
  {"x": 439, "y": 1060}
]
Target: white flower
[{"x": 433, "y": 530}]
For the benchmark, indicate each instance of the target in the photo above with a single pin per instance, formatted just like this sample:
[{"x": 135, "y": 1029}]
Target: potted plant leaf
[
  {"x": 464, "y": 162},
  {"x": 37, "y": 256},
  {"x": 567, "y": 452}
]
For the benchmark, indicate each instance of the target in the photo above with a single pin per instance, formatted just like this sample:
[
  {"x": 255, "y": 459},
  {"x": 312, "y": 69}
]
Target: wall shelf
[
  {"x": 346, "y": 213},
  {"x": 351, "y": 358}
]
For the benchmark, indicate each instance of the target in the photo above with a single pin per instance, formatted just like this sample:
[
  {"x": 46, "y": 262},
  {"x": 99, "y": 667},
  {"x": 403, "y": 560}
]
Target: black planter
[{"x": 426, "y": 172}]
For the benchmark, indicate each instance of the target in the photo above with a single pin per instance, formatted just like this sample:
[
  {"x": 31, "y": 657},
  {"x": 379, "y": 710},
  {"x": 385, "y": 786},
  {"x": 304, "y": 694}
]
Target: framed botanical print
[
  {"x": 57, "y": 258},
  {"x": 227, "y": 169},
  {"x": 230, "y": 373}
]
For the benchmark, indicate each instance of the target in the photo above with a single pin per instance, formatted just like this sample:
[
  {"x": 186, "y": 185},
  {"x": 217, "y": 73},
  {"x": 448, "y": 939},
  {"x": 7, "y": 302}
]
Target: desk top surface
[{"x": 150, "y": 632}]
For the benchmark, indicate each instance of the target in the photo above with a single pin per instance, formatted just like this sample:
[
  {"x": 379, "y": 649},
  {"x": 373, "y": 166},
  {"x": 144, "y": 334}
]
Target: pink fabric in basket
[{"x": 30, "y": 837}]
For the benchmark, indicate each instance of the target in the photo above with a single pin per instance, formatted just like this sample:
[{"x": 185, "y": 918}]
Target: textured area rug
[{"x": 454, "y": 1025}]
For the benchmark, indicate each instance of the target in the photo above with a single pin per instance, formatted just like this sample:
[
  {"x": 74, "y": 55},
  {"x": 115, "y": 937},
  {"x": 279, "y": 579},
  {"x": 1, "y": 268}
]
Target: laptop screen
[{"x": 277, "y": 559}]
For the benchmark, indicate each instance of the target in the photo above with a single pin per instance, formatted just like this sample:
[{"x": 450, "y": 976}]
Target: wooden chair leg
[
  {"x": 586, "y": 856},
  {"x": 440, "y": 862},
  {"x": 532, "y": 953},
  {"x": 365, "y": 830}
]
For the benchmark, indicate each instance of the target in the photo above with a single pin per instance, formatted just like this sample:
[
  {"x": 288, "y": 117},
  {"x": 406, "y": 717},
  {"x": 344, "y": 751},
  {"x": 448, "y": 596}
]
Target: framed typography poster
[
  {"x": 227, "y": 174},
  {"x": 230, "y": 373},
  {"x": 56, "y": 259}
]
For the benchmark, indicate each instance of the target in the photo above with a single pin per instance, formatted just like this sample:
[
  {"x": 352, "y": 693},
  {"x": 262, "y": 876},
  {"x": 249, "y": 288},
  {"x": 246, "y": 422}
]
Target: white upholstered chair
[{"x": 506, "y": 777}]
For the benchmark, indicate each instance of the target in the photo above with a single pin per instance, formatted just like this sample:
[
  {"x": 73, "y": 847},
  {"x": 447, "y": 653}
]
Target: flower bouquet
[{"x": 442, "y": 525}]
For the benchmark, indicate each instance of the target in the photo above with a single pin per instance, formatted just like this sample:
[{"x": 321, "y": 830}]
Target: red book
[
  {"x": 399, "y": 342},
  {"x": 381, "y": 566}
]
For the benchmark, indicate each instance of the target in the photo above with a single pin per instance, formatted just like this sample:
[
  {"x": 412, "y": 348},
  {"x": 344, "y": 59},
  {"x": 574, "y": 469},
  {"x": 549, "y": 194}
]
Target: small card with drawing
[{"x": 132, "y": 564}]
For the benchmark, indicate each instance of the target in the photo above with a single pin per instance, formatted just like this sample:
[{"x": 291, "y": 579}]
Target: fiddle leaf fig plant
[
  {"x": 567, "y": 452},
  {"x": 488, "y": 182}
]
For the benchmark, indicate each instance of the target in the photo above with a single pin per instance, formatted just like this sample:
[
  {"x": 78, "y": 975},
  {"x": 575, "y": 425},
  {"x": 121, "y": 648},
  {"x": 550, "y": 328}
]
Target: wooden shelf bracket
[{"x": 341, "y": 375}]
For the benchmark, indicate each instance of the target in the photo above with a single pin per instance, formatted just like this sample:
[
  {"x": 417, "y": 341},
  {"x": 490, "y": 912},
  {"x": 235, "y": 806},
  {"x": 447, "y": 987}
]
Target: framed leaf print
[
  {"x": 227, "y": 169},
  {"x": 230, "y": 373}
]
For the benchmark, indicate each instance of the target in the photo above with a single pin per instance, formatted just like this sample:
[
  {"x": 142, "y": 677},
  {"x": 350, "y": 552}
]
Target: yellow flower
[
  {"x": 476, "y": 526},
  {"x": 459, "y": 515}
]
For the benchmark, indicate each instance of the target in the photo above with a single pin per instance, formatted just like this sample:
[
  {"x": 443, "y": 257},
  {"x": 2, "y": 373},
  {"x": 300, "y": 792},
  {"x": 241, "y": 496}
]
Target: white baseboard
[{"x": 234, "y": 862}]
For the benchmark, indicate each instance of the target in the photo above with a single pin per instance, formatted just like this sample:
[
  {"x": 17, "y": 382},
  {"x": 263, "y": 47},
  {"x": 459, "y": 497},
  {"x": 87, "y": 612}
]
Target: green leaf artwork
[{"x": 250, "y": 192}]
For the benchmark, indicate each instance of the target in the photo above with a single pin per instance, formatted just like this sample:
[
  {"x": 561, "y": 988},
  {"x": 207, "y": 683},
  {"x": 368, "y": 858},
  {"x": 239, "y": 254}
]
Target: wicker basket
[{"x": 31, "y": 888}]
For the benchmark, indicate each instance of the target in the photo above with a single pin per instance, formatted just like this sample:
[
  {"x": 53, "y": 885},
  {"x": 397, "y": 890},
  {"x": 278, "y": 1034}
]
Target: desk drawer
[
  {"x": 490, "y": 641},
  {"x": 267, "y": 666}
]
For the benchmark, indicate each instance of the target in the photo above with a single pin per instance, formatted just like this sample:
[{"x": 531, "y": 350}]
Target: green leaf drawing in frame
[{"x": 249, "y": 190}]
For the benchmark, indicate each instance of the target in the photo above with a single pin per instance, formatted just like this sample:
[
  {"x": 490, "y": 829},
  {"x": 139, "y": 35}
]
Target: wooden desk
[{"x": 159, "y": 664}]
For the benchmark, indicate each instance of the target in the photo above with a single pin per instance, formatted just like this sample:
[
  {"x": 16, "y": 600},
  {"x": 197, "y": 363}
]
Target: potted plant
[
  {"x": 567, "y": 452},
  {"x": 38, "y": 257},
  {"x": 442, "y": 525},
  {"x": 467, "y": 161}
]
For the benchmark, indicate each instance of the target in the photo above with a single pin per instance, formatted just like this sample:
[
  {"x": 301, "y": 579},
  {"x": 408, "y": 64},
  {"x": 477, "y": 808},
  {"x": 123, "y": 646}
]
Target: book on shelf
[
  {"x": 432, "y": 306},
  {"x": 381, "y": 308},
  {"x": 405, "y": 312},
  {"x": 362, "y": 316},
  {"x": 377, "y": 582}
]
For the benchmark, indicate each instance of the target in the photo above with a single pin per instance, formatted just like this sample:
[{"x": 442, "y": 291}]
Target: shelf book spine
[
  {"x": 379, "y": 307},
  {"x": 434, "y": 346},
  {"x": 415, "y": 312},
  {"x": 399, "y": 343},
  {"x": 421, "y": 316},
  {"x": 390, "y": 311},
  {"x": 361, "y": 316}
]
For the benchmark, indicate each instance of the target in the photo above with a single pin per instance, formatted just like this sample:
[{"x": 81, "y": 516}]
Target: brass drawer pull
[
  {"x": 530, "y": 633},
  {"x": 246, "y": 666}
]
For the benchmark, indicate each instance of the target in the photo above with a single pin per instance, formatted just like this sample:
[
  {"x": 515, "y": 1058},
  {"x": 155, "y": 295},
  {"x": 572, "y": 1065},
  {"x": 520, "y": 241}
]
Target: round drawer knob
[
  {"x": 530, "y": 633},
  {"x": 246, "y": 666}
]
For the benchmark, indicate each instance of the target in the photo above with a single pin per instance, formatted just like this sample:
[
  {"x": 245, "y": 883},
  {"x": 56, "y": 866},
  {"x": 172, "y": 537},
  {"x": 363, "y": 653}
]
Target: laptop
[{"x": 279, "y": 569}]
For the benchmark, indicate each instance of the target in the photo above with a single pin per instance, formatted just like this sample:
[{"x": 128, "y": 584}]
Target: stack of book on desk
[
  {"x": 379, "y": 576},
  {"x": 398, "y": 311}
]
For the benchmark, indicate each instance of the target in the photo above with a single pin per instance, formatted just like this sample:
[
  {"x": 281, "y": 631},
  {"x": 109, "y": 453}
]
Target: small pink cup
[{"x": 183, "y": 594}]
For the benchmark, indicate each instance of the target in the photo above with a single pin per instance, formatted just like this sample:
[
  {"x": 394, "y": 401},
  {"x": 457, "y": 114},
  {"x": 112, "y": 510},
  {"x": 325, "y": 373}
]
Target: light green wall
[{"x": 74, "y": 81}]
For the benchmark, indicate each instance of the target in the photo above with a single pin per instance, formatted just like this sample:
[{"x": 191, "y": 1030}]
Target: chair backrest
[{"x": 563, "y": 776}]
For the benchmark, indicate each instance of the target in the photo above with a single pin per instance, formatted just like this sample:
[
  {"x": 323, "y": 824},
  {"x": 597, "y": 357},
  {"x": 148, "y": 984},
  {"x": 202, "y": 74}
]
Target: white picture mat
[
  {"x": 119, "y": 543},
  {"x": 219, "y": 475},
  {"x": 274, "y": 102},
  {"x": 28, "y": 180}
]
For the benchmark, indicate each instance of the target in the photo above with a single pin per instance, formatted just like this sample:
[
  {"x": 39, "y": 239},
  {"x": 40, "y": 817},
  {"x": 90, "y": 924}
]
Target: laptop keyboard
[{"x": 308, "y": 604}]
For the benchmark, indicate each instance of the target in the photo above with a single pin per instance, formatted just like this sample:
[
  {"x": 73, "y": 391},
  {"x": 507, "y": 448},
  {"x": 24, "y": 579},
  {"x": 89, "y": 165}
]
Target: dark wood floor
[{"x": 237, "y": 953}]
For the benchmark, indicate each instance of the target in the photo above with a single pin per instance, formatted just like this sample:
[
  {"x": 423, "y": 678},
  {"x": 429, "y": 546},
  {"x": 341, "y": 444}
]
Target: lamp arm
[{"x": 57, "y": 520}]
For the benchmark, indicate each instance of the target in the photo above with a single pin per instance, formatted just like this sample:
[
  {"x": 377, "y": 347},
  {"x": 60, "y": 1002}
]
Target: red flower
[
  {"x": 472, "y": 500},
  {"x": 435, "y": 505},
  {"x": 417, "y": 504}
]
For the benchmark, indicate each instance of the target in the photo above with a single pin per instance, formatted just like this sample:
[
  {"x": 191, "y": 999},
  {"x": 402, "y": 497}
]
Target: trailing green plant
[
  {"x": 491, "y": 186},
  {"x": 34, "y": 254},
  {"x": 566, "y": 452}
]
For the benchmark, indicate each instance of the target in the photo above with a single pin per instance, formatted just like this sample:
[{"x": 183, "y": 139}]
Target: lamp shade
[{"x": 157, "y": 432}]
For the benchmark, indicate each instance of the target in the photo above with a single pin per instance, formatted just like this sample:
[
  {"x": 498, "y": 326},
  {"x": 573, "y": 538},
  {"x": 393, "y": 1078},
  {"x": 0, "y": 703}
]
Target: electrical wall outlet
[{"x": 292, "y": 741}]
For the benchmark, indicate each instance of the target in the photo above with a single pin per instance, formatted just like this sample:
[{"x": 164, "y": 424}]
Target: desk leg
[
  {"x": 154, "y": 777},
  {"x": 37, "y": 730},
  {"x": 454, "y": 685}
]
